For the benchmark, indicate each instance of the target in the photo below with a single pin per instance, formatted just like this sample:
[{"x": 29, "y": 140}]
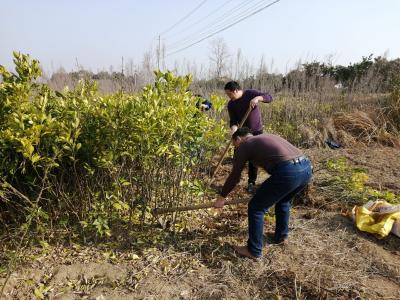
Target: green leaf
[
  {"x": 44, "y": 244},
  {"x": 35, "y": 158},
  {"x": 117, "y": 206},
  {"x": 39, "y": 292}
]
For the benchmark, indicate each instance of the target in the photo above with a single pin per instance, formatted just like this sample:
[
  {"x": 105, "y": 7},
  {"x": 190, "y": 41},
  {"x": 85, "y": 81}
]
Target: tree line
[{"x": 370, "y": 74}]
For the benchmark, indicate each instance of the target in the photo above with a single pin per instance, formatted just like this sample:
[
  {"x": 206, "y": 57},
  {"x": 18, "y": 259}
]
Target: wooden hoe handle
[
  {"x": 160, "y": 211},
  {"x": 229, "y": 143}
]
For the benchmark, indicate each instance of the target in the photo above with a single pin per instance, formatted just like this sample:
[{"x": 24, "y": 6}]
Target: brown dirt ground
[{"x": 326, "y": 258}]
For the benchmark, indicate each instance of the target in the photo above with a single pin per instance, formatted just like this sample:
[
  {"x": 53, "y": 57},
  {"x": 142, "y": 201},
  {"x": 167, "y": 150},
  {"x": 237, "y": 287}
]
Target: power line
[
  {"x": 209, "y": 26},
  {"x": 221, "y": 22},
  {"x": 184, "y": 18},
  {"x": 226, "y": 27},
  {"x": 205, "y": 17}
]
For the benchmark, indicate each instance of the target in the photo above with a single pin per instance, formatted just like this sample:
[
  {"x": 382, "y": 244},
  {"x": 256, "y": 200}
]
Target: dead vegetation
[
  {"x": 350, "y": 129},
  {"x": 327, "y": 258},
  {"x": 364, "y": 127}
]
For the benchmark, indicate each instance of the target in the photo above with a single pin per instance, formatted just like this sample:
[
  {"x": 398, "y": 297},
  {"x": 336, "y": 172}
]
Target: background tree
[{"x": 219, "y": 55}]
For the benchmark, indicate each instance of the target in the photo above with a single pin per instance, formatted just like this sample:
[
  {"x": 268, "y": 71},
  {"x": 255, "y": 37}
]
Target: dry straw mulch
[
  {"x": 366, "y": 128},
  {"x": 349, "y": 129}
]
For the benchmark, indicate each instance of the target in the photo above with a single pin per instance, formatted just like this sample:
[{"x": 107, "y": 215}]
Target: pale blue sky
[{"x": 98, "y": 33}]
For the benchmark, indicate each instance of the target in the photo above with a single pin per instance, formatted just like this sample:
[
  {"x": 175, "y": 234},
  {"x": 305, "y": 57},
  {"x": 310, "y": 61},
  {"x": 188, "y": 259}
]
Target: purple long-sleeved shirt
[
  {"x": 264, "y": 150},
  {"x": 237, "y": 109}
]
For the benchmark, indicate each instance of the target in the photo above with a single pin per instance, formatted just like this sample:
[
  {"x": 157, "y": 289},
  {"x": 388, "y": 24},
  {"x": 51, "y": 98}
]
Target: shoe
[
  {"x": 251, "y": 188},
  {"x": 244, "y": 252},
  {"x": 281, "y": 242},
  {"x": 272, "y": 240}
]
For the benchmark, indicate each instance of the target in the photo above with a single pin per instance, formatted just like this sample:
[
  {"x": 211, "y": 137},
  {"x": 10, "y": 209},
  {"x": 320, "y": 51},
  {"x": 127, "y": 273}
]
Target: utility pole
[
  {"x": 159, "y": 52},
  {"x": 122, "y": 66},
  {"x": 163, "y": 57},
  {"x": 77, "y": 64}
]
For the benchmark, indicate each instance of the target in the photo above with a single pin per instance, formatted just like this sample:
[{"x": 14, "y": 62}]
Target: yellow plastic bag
[{"x": 377, "y": 217}]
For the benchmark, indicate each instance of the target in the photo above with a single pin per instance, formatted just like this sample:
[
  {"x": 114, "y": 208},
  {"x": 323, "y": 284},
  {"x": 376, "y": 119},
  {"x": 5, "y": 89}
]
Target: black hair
[
  {"x": 232, "y": 86},
  {"x": 241, "y": 132}
]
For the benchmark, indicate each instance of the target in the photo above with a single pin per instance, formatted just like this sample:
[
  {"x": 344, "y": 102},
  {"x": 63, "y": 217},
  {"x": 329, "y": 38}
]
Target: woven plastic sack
[{"x": 379, "y": 218}]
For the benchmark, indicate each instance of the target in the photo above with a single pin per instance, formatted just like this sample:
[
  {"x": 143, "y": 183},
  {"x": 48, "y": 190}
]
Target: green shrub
[{"x": 77, "y": 156}]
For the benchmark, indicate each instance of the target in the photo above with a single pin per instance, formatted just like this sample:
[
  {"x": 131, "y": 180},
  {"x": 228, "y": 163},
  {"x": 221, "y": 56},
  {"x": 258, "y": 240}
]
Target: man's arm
[
  {"x": 258, "y": 96},
  {"x": 233, "y": 120},
  {"x": 239, "y": 161}
]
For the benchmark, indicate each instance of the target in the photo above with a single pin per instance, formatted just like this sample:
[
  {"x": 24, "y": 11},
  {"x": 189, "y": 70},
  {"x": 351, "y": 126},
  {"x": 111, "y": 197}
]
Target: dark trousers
[
  {"x": 252, "y": 168},
  {"x": 286, "y": 180}
]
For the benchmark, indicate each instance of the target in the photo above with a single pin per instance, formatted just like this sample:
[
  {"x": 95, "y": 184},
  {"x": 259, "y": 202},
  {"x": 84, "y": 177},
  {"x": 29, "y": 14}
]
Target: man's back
[{"x": 266, "y": 150}]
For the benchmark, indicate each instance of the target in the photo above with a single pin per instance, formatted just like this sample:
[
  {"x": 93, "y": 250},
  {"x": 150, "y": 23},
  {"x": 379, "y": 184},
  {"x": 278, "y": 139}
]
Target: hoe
[{"x": 160, "y": 211}]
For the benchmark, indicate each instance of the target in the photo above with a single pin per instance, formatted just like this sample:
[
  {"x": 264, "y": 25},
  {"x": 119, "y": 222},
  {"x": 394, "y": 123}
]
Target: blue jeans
[{"x": 286, "y": 180}]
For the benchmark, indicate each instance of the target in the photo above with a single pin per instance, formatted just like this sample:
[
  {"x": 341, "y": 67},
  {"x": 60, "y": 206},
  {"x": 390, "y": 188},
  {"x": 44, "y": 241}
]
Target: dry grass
[
  {"x": 365, "y": 128},
  {"x": 327, "y": 258},
  {"x": 350, "y": 129}
]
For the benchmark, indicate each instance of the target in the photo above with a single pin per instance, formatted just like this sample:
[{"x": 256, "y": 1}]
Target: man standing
[
  {"x": 240, "y": 101},
  {"x": 290, "y": 172}
]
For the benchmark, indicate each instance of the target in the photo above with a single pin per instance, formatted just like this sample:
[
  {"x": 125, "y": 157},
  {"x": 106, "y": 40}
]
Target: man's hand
[
  {"x": 203, "y": 107},
  {"x": 219, "y": 203},
  {"x": 233, "y": 129},
  {"x": 254, "y": 101}
]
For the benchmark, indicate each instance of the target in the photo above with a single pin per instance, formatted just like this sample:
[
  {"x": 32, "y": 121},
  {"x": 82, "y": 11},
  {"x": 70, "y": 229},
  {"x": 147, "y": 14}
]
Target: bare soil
[{"x": 326, "y": 258}]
